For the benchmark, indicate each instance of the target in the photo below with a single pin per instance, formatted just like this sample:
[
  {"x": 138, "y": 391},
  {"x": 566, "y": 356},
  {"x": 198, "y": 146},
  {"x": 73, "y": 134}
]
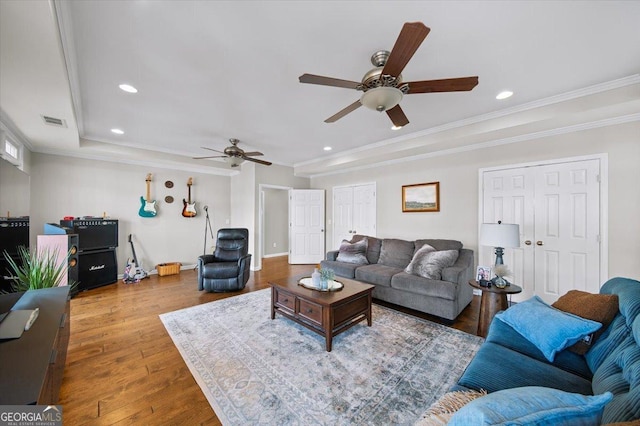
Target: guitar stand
[{"x": 207, "y": 225}]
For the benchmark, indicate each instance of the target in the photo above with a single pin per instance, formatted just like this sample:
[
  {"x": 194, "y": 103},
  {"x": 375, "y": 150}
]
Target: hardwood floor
[{"x": 122, "y": 366}]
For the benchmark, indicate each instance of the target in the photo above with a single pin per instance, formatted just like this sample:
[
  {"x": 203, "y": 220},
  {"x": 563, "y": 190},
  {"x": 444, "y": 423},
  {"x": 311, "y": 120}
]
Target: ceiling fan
[
  {"x": 235, "y": 155},
  {"x": 383, "y": 86}
]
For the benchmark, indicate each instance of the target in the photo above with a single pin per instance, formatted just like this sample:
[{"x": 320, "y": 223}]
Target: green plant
[
  {"x": 327, "y": 274},
  {"x": 37, "y": 269}
]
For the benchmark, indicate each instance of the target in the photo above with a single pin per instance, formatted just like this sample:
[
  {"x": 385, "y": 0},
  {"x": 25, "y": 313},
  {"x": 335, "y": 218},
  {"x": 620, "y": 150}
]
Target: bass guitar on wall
[
  {"x": 148, "y": 207},
  {"x": 189, "y": 209}
]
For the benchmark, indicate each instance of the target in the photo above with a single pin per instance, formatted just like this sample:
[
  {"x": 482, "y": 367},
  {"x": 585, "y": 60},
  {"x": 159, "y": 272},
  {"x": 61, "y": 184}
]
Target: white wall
[
  {"x": 14, "y": 190},
  {"x": 65, "y": 186},
  {"x": 458, "y": 177}
]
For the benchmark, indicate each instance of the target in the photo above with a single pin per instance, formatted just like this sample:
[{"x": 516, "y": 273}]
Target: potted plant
[{"x": 37, "y": 269}]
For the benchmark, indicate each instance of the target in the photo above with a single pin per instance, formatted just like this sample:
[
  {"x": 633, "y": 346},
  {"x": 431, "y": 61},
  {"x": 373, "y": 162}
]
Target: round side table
[{"x": 493, "y": 300}]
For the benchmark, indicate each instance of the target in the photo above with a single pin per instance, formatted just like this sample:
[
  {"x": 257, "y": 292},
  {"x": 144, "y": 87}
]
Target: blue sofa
[{"x": 507, "y": 360}]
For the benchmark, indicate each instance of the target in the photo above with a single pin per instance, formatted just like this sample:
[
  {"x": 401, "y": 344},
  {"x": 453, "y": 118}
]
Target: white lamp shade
[
  {"x": 500, "y": 235},
  {"x": 234, "y": 161},
  {"x": 381, "y": 98}
]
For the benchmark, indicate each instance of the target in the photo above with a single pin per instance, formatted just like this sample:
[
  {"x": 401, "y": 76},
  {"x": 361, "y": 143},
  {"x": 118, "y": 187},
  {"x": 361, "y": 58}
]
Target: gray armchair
[{"x": 227, "y": 269}]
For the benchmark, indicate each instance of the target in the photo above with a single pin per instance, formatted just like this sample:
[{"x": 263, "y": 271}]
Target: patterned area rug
[{"x": 254, "y": 370}]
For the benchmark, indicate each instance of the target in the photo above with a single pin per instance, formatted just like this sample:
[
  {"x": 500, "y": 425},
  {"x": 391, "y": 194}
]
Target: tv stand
[{"x": 31, "y": 367}]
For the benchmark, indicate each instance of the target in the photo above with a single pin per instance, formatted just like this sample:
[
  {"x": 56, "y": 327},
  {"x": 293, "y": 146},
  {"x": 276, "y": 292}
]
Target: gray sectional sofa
[{"x": 387, "y": 259}]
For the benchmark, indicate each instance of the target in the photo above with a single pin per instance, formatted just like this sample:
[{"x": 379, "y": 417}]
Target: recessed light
[
  {"x": 396, "y": 127},
  {"x": 128, "y": 88},
  {"x": 504, "y": 95},
  {"x": 327, "y": 148},
  {"x": 117, "y": 131}
]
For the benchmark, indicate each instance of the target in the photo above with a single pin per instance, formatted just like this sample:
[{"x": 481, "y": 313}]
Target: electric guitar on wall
[
  {"x": 148, "y": 207},
  {"x": 189, "y": 209}
]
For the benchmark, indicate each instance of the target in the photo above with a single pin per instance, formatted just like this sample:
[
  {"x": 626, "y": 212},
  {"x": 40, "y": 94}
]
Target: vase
[{"x": 500, "y": 282}]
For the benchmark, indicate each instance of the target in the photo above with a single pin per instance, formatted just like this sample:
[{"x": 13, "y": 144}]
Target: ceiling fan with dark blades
[
  {"x": 235, "y": 154},
  {"x": 383, "y": 87}
]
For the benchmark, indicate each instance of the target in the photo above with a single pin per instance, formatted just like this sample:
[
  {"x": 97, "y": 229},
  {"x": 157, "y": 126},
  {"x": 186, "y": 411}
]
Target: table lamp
[{"x": 500, "y": 235}]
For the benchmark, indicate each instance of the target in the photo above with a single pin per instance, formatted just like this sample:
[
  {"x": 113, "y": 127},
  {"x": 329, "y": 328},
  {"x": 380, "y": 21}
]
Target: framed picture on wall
[{"x": 421, "y": 197}]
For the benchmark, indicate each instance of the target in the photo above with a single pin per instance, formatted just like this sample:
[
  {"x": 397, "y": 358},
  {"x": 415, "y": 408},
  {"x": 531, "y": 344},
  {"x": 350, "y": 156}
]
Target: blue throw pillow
[
  {"x": 532, "y": 405},
  {"x": 549, "y": 329}
]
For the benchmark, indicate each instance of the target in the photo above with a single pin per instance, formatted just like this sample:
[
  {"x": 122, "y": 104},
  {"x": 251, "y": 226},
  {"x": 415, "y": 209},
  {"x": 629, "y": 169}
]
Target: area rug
[{"x": 254, "y": 370}]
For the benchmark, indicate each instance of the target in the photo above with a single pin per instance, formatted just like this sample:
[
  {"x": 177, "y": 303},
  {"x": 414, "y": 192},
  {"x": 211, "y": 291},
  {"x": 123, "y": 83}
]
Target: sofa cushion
[
  {"x": 419, "y": 285},
  {"x": 373, "y": 246},
  {"x": 503, "y": 334},
  {"x": 550, "y": 329},
  {"x": 353, "y": 252},
  {"x": 601, "y": 308},
  {"x": 439, "y": 244},
  {"x": 429, "y": 263},
  {"x": 495, "y": 367},
  {"x": 532, "y": 405},
  {"x": 396, "y": 253},
  {"x": 341, "y": 269},
  {"x": 376, "y": 274}
]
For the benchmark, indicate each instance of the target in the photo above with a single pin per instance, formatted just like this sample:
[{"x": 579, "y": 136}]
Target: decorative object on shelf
[
  {"x": 148, "y": 207},
  {"x": 501, "y": 271},
  {"x": 500, "y": 235},
  {"x": 168, "y": 199},
  {"x": 189, "y": 209},
  {"x": 315, "y": 278},
  {"x": 168, "y": 184},
  {"x": 421, "y": 197}
]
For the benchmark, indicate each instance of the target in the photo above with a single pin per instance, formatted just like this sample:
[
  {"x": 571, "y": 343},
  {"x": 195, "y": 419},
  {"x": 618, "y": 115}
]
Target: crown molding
[
  {"x": 13, "y": 131},
  {"x": 563, "y": 97},
  {"x": 496, "y": 142}
]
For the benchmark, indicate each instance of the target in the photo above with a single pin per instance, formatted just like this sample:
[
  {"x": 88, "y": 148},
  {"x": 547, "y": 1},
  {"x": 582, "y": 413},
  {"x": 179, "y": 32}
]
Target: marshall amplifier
[
  {"x": 97, "y": 268},
  {"x": 94, "y": 234},
  {"x": 13, "y": 233}
]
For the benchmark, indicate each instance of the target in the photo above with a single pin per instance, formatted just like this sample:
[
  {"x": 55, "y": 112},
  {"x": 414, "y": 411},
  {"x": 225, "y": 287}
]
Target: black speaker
[
  {"x": 97, "y": 268},
  {"x": 95, "y": 234},
  {"x": 73, "y": 262},
  {"x": 13, "y": 233},
  {"x": 6, "y": 275}
]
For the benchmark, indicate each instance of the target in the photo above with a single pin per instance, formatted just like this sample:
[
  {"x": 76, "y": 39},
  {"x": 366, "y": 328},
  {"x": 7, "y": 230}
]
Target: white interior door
[
  {"x": 509, "y": 197},
  {"x": 558, "y": 209},
  {"x": 364, "y": 209},
  {"x": 306, "y": 232},
  {"x": 342, "y": 215},
  {"x": 567, "y": 229}
]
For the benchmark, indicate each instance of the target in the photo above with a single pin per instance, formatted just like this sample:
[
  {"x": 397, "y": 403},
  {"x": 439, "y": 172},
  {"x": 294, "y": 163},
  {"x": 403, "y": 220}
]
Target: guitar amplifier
[
  {"x": 97, "y": 268},
  {"x": 94, "y": 234}
]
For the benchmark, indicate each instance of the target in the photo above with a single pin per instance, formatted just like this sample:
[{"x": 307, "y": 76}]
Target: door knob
[
  {"x": 528, "y": 242},
  {"x": 539, "y": 243},
  {"x": 322, "y": 230}
]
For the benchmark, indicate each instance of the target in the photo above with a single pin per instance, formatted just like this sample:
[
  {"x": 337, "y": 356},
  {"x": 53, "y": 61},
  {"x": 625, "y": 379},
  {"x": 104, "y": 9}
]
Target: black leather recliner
[{"x": 227, "y": 269}]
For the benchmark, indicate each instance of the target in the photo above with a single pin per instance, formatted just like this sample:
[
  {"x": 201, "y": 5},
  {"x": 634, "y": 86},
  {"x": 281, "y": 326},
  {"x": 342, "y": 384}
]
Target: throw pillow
[
  {"x": 549, "y": 329},
  {"x": 533, "y": 405},
  {"x": 429, "y": 263},
  {"x": 446, "y": 406},
  {"x": 396, "y": 253},
  {"x": 353, "y": 252},
  {"x": 597, "y": 307}
]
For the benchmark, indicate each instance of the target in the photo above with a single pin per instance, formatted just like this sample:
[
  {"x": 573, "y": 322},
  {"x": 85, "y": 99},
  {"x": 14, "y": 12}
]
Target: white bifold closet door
[{"x": 558, "y": 209}]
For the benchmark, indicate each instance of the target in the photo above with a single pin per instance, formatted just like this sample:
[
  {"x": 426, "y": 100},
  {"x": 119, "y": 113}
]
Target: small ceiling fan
[
  {"x": 235, "y": 155},
  {"x": 383, "y": 86}
]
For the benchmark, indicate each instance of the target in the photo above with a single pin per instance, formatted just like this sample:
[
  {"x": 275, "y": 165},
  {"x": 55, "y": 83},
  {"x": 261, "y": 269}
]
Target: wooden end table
[
  {"x": 493, "y": 300},
  {"x": 327, "y": 313}
]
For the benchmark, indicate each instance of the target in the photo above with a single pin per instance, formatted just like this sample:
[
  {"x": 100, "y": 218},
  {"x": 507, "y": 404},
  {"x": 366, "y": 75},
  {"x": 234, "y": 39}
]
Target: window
[{"x": 11, "y": 151}]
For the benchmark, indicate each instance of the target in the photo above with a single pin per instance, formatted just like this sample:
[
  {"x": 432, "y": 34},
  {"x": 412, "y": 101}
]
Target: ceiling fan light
[
  {"x": 381, "y": 98},
  {"x": 234, "y": 161}
]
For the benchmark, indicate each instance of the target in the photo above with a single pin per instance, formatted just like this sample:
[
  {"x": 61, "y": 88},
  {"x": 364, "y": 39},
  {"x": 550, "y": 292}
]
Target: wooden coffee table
[{"x": 326, "y": 313}]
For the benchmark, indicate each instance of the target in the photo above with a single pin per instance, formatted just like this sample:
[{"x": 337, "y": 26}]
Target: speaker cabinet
[
  {"x": 13, "y": 233},
  {"x": 60, "y": 245},
  {"x": 95, "y": 234},
  {"x": 97, "y": 268}
]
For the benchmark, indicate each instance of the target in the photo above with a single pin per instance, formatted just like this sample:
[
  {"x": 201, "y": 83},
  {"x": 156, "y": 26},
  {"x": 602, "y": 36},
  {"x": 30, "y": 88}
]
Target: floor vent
[{"x": 52, "y": 121}]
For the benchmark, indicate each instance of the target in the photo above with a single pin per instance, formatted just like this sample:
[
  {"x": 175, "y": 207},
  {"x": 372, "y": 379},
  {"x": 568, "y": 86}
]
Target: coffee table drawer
[
  {"x": 310, "y": 311},
  {"x": 286, "y": 300}
]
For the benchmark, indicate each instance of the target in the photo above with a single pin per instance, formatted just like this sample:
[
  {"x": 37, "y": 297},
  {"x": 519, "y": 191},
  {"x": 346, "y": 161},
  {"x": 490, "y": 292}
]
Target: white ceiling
[{"x": 207, "y": 71}]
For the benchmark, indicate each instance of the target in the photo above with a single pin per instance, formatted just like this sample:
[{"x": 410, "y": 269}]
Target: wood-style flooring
[{"x": 122, "y": 366}]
